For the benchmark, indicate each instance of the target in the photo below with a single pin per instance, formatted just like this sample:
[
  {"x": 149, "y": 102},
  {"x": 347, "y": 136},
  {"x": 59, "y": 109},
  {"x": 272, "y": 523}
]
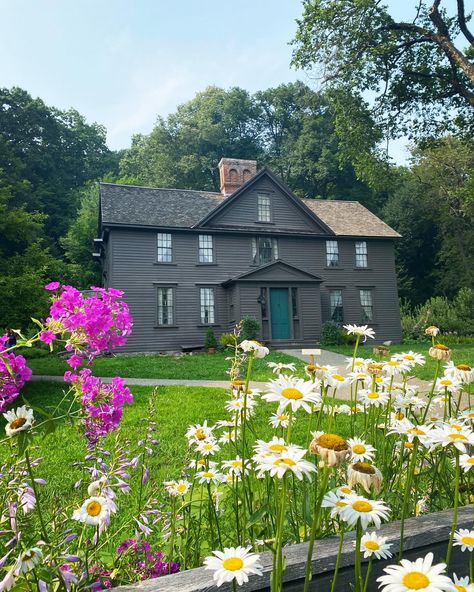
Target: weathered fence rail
[{"x": 422, "y": 535}]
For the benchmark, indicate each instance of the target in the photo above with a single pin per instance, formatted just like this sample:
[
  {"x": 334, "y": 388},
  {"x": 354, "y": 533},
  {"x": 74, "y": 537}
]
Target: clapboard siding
[
  {"x": 131, "y": 265},
  {"x": 285, "y": 214}
]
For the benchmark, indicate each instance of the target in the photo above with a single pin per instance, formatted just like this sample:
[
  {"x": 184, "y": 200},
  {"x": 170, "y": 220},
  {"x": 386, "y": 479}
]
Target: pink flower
[
  {"x": 47, "y": 337},
  {"x": 75, "y": 361},
  {"x": 13, "y": 374},
  {"x": 52, "y": 286}
]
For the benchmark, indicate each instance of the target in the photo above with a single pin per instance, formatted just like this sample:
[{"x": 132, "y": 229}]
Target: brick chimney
[{"x": 234, "y": 172}]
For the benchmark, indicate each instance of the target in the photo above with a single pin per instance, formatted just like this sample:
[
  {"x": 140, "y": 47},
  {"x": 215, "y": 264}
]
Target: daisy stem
[
  {"x": 315, "y": 527},
  {"x": 278, "y": 584},
  {"x": 356, "y": 347},
  {"x": 411, "y": 472},
  {"x": 367, "y": 575},
  {"x": 430, "y": 394},
  {"x": 338, "y": 560},
  {"x": 35, "y": 490},
  {"x": 455, "y": 509},
  {"x": 359, "y": 586},
  {"x": 246, "y": 508},
  {"x": 471, "y": 567},
  {"x": 173, "y": 528},
  {"x": 234, "y": 585}
]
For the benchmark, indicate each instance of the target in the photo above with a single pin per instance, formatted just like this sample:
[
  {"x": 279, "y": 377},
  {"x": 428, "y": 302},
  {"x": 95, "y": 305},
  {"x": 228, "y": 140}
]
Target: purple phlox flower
[
  {"x": 47, "y": 337},
  {"x": 13, "y": 374},
  {"x": 52, "y": 286},
  {"x": 74, "y": 361}
]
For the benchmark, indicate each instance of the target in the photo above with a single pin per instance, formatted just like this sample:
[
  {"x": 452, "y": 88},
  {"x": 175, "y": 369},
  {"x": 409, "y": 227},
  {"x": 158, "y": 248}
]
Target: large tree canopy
[{"x": 419, "y": 68}]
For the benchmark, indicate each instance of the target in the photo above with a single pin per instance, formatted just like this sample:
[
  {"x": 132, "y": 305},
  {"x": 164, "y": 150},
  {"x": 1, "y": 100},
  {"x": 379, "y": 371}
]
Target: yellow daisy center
[
  {"x": 292, "y": 393},
  {"x": 233, "y": 563},
  {"x": 441, "y": 347},
  {"x": 460, "y": 588},
  {"x": 340, "y": 504},
  {"x": 464, "y": 367},
  {"x": 467, "y": 540},
  {"x": 287, "y": 461},
  {"x": 94, "y": 508},
  {"x": 283, "y": 417},
  {"x": 338, "y": 377},
  {"x": 345, "y": 490},
  {"x": 363, "y": 467},
  {"x": 358, "y": 449},
  {"x": 408, "y": 357},
  {"x": 362, "y": 506},
  {"x": 470, "y": 461},
  {"x": 208, "y": 474},
  {"x": 181, "y": 487},
  {"x": 399, "y": 416},
  {"x": 236, "y": 464},
  {"x": 445, "y": 382},
  {"x": 278, "y": 448},
  {"x": 408, "y": 445},
  {"x": 457, "y": 437},
  {"x": 373, "y": 395},
  {"x": 393, "y": 363},
  {"x": 17, "y": 423},
  {"x": 201, "y": 462},
  {"x": 415, "y": 580},
  {"x": 208, "y": 446},
  {"x": 372, "y": 545},
  {"x": 456, "y": 427},
  {"x": 332, "y": 442},
  {"x": 416, "y": 431},
  {"x": 200, "y": 434}
]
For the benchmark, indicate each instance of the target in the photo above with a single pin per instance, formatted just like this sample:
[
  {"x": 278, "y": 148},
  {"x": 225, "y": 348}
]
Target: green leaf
[{"x": 257, "y": 516}]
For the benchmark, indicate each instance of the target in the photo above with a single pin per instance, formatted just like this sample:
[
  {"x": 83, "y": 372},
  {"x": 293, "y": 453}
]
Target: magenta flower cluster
[
  {"x": 13, "y": 374},
  {"x": 145, "y": 562},
  {"x": 102, "y": 403},
  {"x": 90, "y": 324}
]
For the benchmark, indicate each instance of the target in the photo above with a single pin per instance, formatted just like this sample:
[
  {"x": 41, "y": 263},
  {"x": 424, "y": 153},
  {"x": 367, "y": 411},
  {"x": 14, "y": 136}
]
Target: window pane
[
  {"x": 165, "y": 306},
  {"x": 275, "y": 248},
  {"x": 294, "y": 302},
  {"x": 332, "y": 253},
  {"x": 366, "y": 304},
  {"x": 264, "y": 214},
  {"x": 206, "y": 254},
  {"x": 263, "y": 302},
  {"x": 337, "y": 312},
  {"x": 254, "y": 251},
  {"x": 264, "y": 250},
  {"x": 361, "y": 254},
  {"x": 165, "y": 252},
  {"x": 207, "y": 306}
]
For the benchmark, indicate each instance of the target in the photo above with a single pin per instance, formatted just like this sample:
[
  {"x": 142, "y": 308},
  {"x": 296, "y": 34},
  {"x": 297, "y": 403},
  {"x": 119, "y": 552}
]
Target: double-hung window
[
  {"x": 332, "y": 253},
  {"x": 206, "y": 249},
  {"x": 366, "y": 305},
  {"x": 165, "y": 248},
  {"x": 361, "y": 254},
  {"x": 335, "y": 301},
  {"x": 207, "y": 306},
  {"x": 263, "y": 208},
  {"x": 264, "y": 250},
  {"x": 165, "y": 306}
]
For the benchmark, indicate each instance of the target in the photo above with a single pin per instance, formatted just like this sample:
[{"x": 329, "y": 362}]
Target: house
[{"x": 187, "y": 260}]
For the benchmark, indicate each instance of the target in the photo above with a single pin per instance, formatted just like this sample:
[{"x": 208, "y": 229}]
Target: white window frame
[
  {"x": 332, "y": 253},
  {"x": 256, "y": 252},
  {"x": 206, "y": 248},
  {"x": 165, "y": 312},
  {"x": 336, "y": 302},
  {"x": 264, "y": 209},
  {"x": 361, "y": 258},
  {"x": 164, "y": 247},
  {"x": 367, "y": 304},
  {"x": 207, "y": 305}
]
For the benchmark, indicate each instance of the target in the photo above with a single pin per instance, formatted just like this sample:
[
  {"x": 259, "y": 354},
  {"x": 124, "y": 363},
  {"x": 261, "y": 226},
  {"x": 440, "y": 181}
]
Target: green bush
[
  {"x": 210, "y": 342},
  {"x": 331, "y": 334},
  {"x": 227, "y": 340},
  {"x": 250, "y": 328}
]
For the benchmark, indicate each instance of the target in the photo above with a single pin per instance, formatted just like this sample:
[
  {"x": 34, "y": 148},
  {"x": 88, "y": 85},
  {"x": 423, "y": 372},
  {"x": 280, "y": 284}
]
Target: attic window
[{"x": 263, "y": 208}]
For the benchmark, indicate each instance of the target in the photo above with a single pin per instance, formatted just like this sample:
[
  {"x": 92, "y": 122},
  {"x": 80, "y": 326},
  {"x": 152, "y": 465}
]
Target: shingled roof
[{"x": 131, "y": 205}]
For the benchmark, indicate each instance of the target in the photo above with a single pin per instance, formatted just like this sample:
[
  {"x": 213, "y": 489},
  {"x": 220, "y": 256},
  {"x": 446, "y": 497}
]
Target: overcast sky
[{"x": 123, "y": 62}]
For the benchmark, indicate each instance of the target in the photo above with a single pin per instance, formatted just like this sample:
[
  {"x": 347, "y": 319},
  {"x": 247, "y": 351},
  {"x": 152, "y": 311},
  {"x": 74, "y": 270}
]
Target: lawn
[
  {"x": 197, "y": 366},
  {"x": 462, "y": 353}
]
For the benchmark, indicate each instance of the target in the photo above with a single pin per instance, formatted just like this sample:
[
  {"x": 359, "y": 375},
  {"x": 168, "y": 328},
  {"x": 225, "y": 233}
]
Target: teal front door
[{"x": 279, "y": 311}]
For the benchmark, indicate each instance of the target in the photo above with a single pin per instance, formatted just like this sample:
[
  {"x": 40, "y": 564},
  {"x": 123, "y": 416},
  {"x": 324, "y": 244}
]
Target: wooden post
[{"x": 311, "y": 353}]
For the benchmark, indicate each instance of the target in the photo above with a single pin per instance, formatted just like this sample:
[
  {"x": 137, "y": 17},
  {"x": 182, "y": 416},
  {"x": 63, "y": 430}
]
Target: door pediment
[{"x": 277, "y": 271}]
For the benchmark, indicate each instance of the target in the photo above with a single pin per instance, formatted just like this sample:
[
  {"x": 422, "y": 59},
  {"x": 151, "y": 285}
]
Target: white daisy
[
  {"x": 462, "y": 372},
  {"x": 95, "y": 511},
  {"x": 229, "y": 436},
  {"x": 18, "y": 420},
  {"x": 28, "y": 560},
  {"x": 209, "y": 476},
  {"x": 279, "y": 367},
  {"x": 376, "y": 398},
  {"x": 447, "y": 384},
  {"x": 276, "y": 446},
  {"x": 366, "y": 475},
  {"x": 462, "y": 584},
  {"x": 447, "y": 435},
  {"x": 280, "y": 419},
  {"x": 250, "y": 345},
  {"x": 360, "y": 450},
  {"x": 365, "y": 510},
  {"x": 332, "y": 449},
  {"x": 416, "y": 575},
  {"x": 336, "y": 380},
  {"x": 177, "y": 488},
  {"x": 234, "y": 563},
  {"x": 290, "y": 460},
  {"x": 466, "y": 462},
  {"x": 294, "y": 392},
  {"x": 372, "y": 544},
  {"x": 362, "y": 330},
  {"x": 335, "y": 501},
  {"x": 359, "y": 377},
  {"x": 359, "y": 364},
  {"x": 465, "y": 539},
  {"x": 395, "y": 366},
  {"x": 413, "y": 358},
  {"x": 207, "y": 447},
  {"x": 235, "y": 465},
  {"x": 344, "y": 409},
  {"x": 198, "y": 432}
]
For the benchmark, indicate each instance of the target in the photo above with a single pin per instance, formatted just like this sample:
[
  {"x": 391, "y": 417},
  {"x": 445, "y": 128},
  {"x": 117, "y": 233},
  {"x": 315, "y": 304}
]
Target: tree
[{"x": 423, "y": 82}]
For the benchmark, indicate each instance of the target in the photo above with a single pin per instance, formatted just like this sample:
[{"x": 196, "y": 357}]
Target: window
[
  {"x": 262, "y": 299},
  {"x": 206, "y": 250},
  {"x": 367, "y": 306},
  {"x": 264, "y": 213},
  {"x": 165, "y": 306},
  {"x": 294, "y": 302},
  {"x": 332, "y": 253},
  {"x": 165, "y": 250},
  {"x": 361, "y": 254},
  {"x": 264, "y": 250},
  {"x": 335, "y": 300},
  {"x": 207, "y": 306}
]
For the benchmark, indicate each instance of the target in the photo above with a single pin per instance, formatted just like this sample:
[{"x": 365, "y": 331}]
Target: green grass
[
  {"x": 462, "y": 353},
  {"x": 200, "y": 366}
]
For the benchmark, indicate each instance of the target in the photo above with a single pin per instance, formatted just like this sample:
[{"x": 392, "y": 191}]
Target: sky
[{"x": 121, "y": 63}]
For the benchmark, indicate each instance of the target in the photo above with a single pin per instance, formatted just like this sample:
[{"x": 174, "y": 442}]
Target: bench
[{"x": 192, "y": 347}]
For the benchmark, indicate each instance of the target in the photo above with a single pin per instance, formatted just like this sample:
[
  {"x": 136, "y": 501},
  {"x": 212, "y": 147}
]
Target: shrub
[
  {"x": 210, "y": 341},
  {"x": 250, "y": 328},
  {"x": 331, "y": 334},
  {"x": 227, "y": 340}
]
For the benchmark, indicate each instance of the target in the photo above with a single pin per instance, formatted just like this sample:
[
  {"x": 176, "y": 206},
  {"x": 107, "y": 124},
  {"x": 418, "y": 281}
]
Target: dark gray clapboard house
[{"x": 189, "y": 259}]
